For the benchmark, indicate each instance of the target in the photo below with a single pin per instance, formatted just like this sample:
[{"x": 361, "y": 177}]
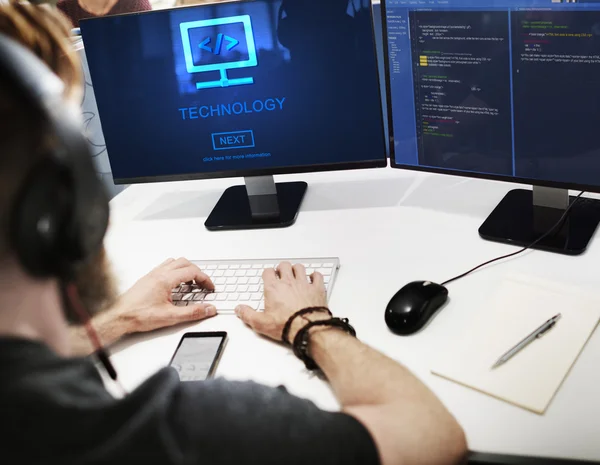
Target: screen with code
[{"x": 506, "y": 88}]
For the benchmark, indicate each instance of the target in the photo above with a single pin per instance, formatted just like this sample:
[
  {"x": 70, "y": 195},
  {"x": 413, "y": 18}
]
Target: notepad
[{"x": 519, "y": 306}]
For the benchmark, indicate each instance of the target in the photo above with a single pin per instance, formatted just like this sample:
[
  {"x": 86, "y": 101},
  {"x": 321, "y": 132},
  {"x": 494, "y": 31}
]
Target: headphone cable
[
  {"x": 75, "y": 303},
  {"x": 518, "y": 252}
]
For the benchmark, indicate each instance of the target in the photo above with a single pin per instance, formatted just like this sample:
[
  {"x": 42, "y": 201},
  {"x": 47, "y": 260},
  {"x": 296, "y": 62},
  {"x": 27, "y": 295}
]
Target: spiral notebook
[{"x": 519, "y": 306}]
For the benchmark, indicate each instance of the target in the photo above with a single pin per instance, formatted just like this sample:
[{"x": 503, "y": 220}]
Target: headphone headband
[{"x": 61, "y": 213}]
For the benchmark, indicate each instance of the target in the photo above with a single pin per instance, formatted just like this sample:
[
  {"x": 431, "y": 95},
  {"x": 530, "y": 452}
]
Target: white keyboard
[{"x": 239, "y": 282}]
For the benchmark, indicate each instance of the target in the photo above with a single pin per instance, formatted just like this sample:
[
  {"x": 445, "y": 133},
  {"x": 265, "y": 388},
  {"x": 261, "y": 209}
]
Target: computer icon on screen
[{"x": 219, "y": 44}]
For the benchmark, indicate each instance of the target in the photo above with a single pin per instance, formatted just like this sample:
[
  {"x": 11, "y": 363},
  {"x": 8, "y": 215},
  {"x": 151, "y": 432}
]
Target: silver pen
[{"x": 547, "y": 326}]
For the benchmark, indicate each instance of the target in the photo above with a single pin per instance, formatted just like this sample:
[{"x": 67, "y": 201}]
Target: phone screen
[{"x": 196, "y": 357}]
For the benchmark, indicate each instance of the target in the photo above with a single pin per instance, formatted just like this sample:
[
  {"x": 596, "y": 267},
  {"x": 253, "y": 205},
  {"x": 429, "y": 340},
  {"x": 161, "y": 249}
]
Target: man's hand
[
  {"x": 286, "y": 291},
  {"x": 148, "y": 306}
]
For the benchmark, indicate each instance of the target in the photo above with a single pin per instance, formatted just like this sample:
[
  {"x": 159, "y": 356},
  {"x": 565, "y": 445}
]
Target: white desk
[{"x": 389, "y": 228}]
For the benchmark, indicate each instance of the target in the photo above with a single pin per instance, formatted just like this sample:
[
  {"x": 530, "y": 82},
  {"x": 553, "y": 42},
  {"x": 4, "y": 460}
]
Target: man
[{"x": 54, "y": 407}]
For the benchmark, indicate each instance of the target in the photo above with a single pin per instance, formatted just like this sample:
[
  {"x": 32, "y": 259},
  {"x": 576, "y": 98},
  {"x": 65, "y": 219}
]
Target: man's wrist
[
  {"x": 110, "y": 325},
  {"x": 113, "y": 323},
  {"x": 322, "y": 338},
  {"x": 301, "y": 321}
]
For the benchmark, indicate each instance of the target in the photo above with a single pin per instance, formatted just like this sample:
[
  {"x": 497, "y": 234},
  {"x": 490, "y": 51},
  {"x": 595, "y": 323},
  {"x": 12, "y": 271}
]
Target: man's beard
[{"x": 95, "y": 285}]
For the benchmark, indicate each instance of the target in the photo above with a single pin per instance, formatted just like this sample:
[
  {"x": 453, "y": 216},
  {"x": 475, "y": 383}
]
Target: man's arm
[
  {"x": 408, "y": 423},
  {"x": 146, "y": 306},
  {"x": 108, "y": 325}
]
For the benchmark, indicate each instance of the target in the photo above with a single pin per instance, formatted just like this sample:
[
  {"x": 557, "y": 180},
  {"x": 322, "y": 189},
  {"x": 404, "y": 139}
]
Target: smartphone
[{"x": 198, "y": 354}]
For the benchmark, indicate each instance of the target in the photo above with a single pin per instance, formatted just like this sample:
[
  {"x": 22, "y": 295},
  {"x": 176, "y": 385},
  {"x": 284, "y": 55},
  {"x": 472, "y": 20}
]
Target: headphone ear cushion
[{"x": 39, "y": 218}]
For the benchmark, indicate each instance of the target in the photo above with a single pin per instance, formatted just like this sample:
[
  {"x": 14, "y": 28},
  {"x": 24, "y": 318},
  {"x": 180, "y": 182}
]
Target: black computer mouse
[{"x": 413, "y": 306}]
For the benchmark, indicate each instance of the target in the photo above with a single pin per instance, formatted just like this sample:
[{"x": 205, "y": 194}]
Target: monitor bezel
[
  {"x": 449, "y": 172},
  {"x": 299, "y": 169}
]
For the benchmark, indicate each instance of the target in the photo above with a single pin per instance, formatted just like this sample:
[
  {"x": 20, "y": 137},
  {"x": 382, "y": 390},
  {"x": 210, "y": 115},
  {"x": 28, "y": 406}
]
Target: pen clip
[{"x": 546, "y": 330}]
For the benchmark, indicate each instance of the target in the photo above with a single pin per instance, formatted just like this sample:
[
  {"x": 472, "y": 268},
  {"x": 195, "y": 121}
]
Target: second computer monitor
[
  {"x": 502, "y": 89},
  {"x": 238, "y": 89}
]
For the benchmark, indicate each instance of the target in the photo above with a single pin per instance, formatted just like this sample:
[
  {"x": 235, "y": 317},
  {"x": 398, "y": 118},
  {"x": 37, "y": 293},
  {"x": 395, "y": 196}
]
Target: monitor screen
[
  {"x": 504, "y": 89},
  {"x": 238, "y": 88}
]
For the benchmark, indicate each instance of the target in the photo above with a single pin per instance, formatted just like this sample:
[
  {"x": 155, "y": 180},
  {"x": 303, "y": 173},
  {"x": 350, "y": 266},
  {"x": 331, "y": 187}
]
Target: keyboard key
[
  {"x": 231, "y": 280},
  {"x": 181, "y": 303},
  {"x": 211, "y": 297},
  {"x": 242, "y": 288},
  {"x": 252, "y": 273},
  {"x": 222, "y": 280},
  {"x": 186, "y": 288},
  {"x": 328, "y": 265},
  {"x": 316, "y": 265},
  {"x": 257, "y": 267},
  {"x": 221, "y": 297},
  {"x": 218, "y": 273},
  {"x": 326, "y": 271},
  {"x": 254, "y": 288},
  {"x": 240, "y": 273},
  {"x": 230, "y": 288},
  {"x": 242, "y": 281},
  {"x": 176, "y": 289},
  {"x": 233, "y": 297},
  {"x": 255, "y": 280},
  {"x": 177, "y": 297},
  {"x": 256, "y": 296},
  {"x": 234, "y": 267},
  {"x": 211, "y": 267},
  {"x": 246, "y": 267},
  {"x": 189, "y": 296},
  {"x": 199, "y": 297},
  {"x": 309, "y": 271},
  {"x": 223, "y": 267},
  {"x": 326, "y": 279},
  {"x": 245, "y": 296},
  {"x": 230, "y": 273}
]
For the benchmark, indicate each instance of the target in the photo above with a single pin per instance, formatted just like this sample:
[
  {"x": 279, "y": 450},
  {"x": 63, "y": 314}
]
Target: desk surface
[{"x": 388, "y": 227}]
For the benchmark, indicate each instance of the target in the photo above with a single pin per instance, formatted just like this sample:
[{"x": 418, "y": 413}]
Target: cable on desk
[{"x": 558, "y": 224}]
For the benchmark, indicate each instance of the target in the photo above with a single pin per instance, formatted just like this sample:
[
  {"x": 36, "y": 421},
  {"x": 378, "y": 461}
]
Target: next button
[{"x": 233, "y": 140}]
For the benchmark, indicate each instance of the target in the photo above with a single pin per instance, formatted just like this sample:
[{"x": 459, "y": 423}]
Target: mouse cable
[{"x": 524, "y": 249}]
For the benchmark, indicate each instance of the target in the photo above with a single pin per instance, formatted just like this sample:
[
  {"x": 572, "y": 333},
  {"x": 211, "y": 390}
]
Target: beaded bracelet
[
  {"x": 301, "y": 341},
  {"x": 288, "y": 325}
]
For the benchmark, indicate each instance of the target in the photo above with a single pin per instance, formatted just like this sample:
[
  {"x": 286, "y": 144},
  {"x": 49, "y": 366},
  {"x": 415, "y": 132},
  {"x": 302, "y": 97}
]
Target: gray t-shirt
[{"x": 57, "y": 411}]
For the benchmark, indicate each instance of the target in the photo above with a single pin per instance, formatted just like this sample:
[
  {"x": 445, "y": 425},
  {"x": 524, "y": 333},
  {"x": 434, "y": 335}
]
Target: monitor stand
[
  {"x": 259, "y": 204},
  {"x": 523, "y": 216}
]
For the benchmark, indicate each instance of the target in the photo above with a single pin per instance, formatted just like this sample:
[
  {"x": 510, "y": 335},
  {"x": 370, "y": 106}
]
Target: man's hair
[{"x": 23, "y": 137}]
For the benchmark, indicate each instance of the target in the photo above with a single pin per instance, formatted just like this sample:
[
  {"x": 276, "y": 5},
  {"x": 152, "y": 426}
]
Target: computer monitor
[
  {"x": 505, "y": 90},
  {"x": 249, "y": 88}
]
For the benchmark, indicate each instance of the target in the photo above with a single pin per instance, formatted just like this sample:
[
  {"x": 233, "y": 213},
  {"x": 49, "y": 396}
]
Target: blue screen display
[
  {"x": 506, "y": 88},
  {"x": 240, "y": 86}
]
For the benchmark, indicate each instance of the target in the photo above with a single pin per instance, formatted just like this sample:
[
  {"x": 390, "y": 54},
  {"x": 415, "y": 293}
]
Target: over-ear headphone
[{"x": 60, "y": 215}]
